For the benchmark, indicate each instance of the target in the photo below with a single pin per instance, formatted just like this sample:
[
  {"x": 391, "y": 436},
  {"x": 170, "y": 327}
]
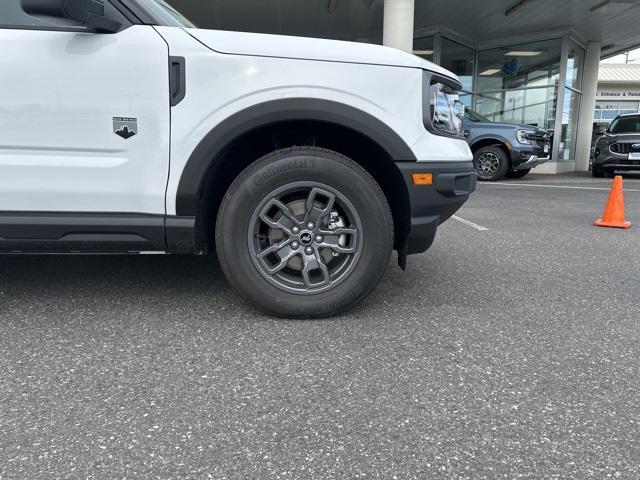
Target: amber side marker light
[{"x": 422, "y": 178}]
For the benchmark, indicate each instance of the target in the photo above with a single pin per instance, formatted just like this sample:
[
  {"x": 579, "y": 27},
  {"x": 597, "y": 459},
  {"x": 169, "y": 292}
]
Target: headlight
[
  {"x": 443, "y": 110},
  {"x": 522, "y": 137}
]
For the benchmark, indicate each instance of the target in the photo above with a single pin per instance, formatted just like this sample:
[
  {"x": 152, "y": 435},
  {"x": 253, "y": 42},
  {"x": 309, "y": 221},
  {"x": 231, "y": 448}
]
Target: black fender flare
[
  {"x": 496, "y": 138},
  {"x": 207, "y": 153}
]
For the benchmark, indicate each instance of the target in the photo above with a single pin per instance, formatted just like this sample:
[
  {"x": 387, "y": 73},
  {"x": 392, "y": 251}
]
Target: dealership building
[
  {"x": 520, "y": 61},
  {"x": 618, "y": 92}
]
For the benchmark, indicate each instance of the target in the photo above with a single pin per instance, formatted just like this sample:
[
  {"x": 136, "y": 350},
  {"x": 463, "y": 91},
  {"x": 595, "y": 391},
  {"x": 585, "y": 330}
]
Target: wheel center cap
[{"x": 306, "y": 238}]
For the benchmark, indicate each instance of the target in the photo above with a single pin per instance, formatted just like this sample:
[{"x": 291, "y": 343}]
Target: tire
[
  {"x": 263, "y": 255},
  {"x": 518, "y": 173},
  {"x": 597, "y": 172},
  {"x": 491, "y": 163}
]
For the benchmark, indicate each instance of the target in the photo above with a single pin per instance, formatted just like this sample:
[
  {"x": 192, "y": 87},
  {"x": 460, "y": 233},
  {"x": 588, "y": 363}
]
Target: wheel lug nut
[
  {"x": 295, "y": 245},
  {"x": 319, "y": 238},
  {"x": 308, "y": 250},
  {"x": 311, "y": 225},
  {"x": 295, "y": 230}
]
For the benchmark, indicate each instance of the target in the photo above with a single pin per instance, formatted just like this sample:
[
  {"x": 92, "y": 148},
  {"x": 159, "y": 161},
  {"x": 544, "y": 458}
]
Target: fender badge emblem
[{"x": 125, "y": 127}]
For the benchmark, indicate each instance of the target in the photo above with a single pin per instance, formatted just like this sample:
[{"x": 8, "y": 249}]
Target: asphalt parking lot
[{"x": 510, "y": 352}]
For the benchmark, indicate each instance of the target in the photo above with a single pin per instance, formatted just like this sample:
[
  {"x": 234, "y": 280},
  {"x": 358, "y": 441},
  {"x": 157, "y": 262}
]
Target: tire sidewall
[{"x": 289, "y": 166}]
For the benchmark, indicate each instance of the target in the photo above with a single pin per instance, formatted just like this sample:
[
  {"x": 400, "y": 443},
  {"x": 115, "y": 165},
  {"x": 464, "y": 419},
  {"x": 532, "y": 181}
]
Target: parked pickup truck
[
  {"x": 301, "y": 162},
  {"x": 504, "y": 149}
]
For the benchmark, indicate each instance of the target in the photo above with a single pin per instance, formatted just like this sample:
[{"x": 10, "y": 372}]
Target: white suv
[{"x": 301, "y": 162}]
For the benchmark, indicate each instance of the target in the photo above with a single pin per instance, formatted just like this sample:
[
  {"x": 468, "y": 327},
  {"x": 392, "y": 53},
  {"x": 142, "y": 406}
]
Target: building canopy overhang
[{"x": 614, "y": 24}]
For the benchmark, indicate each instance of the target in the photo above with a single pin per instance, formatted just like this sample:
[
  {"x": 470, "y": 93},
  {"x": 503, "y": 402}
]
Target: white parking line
[
  {"x": 512, "y": 184},
  {"x": 471, "y": 224}
]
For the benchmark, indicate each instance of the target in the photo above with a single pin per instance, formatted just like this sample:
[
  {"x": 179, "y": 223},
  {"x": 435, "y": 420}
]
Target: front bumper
[
  {"x": 613, "y": 161},
  {"x": 524, "y": 157},
  {"x": 532, "y": 162},
  {"x": 433, "y": 204}
]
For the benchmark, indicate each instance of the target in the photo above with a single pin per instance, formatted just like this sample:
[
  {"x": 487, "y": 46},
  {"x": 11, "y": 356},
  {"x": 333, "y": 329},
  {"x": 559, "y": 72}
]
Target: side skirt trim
[{"x": 36, "y": 232}]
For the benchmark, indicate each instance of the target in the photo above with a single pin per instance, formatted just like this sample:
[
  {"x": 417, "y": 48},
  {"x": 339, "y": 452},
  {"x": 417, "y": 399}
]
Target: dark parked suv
[
  {"x": 504, "y": 149},
  {"x": 619, "y": 146}
]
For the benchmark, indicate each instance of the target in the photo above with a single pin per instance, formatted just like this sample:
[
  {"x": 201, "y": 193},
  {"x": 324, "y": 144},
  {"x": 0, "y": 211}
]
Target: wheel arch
[
  {"x": 222, "y": 137},
  {"x": 252, "y": 133},
  {"x": 490, "y": 140}
]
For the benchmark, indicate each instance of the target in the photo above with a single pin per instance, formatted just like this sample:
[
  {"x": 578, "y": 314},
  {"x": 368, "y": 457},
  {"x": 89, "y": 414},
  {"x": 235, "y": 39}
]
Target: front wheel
[
  {"x": 491, "y": 163},
  {"x": 304, "y": 232}
]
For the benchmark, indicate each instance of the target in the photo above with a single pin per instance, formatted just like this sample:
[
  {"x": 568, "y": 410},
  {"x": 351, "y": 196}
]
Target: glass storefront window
[
  {"x": 610, "y": 109},
  {"x": 571, "y": 105},
  {"x": 536, "y": 106},
  {"x": 461, "y": 61},
  {"x": 570, "y": 112},
  {"x": 423, "y": 47},
  {"x": 526, "y": 65},
  {"x": 575, "y": 63},
  {"x": 518, "y": 84},
  {"x": 521, "y": 84}
]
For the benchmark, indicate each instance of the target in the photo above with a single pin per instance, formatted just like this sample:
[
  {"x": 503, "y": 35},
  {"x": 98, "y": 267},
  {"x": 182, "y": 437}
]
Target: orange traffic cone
[{"x": 613, "y": 216}]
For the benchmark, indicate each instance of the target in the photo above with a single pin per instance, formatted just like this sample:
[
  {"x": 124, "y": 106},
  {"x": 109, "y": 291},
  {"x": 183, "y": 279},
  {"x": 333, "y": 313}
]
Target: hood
[
  {"x": 507, "y": 126},
  {"x": 627, "y": 137},
  {"x": 281, "y": 46}
]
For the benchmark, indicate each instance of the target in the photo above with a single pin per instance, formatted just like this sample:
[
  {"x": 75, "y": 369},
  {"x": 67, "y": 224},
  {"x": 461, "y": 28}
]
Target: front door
[{"x": 84, "y": 118}]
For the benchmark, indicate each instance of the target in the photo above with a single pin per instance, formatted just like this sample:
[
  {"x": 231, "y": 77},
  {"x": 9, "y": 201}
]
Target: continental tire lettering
[{"x": 262, "y": 177}]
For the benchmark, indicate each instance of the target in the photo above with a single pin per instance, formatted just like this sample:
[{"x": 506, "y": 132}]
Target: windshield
[
  {"x": 626, "y": 125},
  {"x": 168, "y": 15},
  {"x": 475, "y": 116}
]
